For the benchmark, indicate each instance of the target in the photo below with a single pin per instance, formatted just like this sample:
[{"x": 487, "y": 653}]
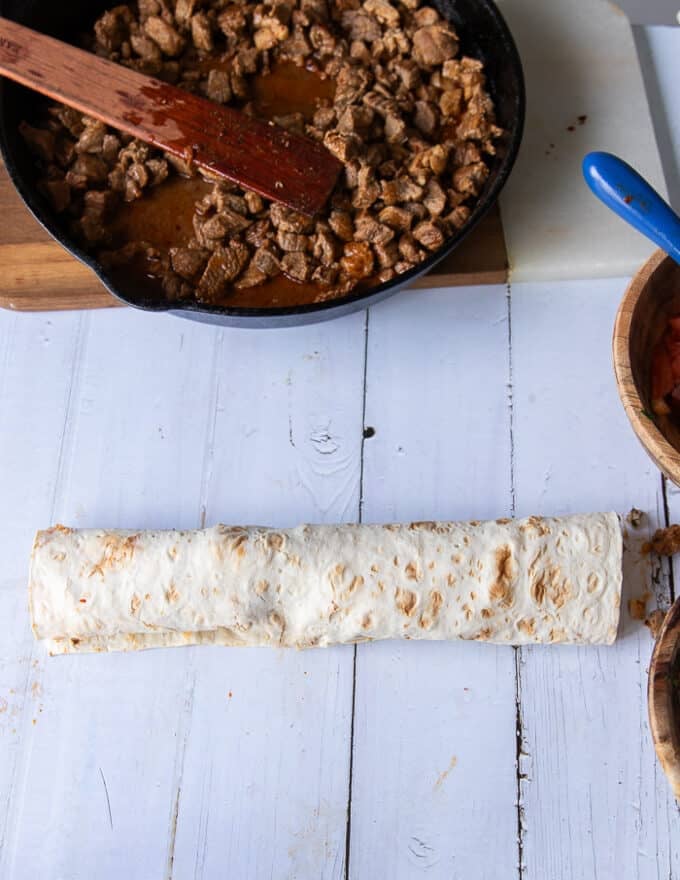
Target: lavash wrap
[{"x": 537, "y": 580}]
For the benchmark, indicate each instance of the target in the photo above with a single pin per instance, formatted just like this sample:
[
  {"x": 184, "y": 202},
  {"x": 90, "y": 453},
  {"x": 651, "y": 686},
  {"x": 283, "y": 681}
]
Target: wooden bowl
[
  {"x": 663, "y": 697},
  {"x": 652, "y": 296}
]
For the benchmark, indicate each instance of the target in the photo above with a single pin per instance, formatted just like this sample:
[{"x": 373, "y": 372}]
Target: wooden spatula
[{"x": 260, "y": 156}]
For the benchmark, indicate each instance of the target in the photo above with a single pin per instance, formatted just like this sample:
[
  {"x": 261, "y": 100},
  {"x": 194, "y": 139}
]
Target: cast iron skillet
[{"x": 483, "y": 34}]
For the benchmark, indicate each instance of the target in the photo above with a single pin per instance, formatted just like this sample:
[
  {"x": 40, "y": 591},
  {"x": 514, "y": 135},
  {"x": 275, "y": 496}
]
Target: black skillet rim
[{"x": 279, "y": 317}]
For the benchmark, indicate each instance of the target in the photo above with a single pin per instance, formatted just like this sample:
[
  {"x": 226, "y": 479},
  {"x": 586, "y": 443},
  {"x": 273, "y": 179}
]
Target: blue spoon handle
[{"x": 622, "y": 189}]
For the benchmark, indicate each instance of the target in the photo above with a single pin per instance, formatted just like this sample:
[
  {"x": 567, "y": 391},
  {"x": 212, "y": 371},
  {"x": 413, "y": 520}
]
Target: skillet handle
[{"x": 629, "y": 195}]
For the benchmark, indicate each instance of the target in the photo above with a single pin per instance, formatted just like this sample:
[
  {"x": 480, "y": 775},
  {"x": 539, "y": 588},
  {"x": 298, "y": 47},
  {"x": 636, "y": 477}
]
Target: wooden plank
[
  {"x": 37, "y": 274},
  {"x": 35, "y": 381},
  {"x": 434, "y": 727},
  {"x": 266, "y": 770},
  {"x": 593, "y": 803},
  {"x": 97, "y": 770}
]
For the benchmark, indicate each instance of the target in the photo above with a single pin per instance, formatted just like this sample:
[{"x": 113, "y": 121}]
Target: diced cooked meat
[
  {"x": 434, "y": 44},
  {"x": 218, "y": 86},
  {"x": 112, "y": 28},
  {"x": 383, "y": 11},
  {"x": 224, "y": 266},
  {"x": 250, "y": 278},
  {"x": 408, "y": 117},
  {"x": 266, "y": 261},
  {"x": 435, "y": 198},
  {"x": 387, "y": 254},
  {"x": 425, "y": 117},
  {"x": 291, "y": 241},
  {"x": 296, "y": 265},
  {"x": 396, "y": 218},
  {"x": 201, "y": 32},
  {"x": 188, "y": 262},
  {"x": 361, "y": 26},
  {"x": 288, "y": 220},
  {"x": 357, "y": 261},
  {"x": 343, "y": 146},
  {"x": 401, "y": 189},
  {"x": 164, "y": 35},
  {"x": 429, "y": 235},
  {"x": 341, "y": 224}
]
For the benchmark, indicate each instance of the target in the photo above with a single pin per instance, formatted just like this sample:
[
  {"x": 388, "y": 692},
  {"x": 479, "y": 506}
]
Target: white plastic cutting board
[{"x": 579, "y": 60}]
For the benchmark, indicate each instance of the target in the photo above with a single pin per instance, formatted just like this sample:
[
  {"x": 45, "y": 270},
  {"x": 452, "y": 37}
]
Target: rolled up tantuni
[{"x": 536, "y": 580}]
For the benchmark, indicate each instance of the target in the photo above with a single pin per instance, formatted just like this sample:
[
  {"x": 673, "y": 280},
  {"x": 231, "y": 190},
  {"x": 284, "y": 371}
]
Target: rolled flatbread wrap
[{"x": 513, "y": 582}]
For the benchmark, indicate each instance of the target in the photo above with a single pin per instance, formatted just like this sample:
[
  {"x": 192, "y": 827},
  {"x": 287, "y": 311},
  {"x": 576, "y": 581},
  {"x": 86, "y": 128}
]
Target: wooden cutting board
[{"x": 37, "y": 274}]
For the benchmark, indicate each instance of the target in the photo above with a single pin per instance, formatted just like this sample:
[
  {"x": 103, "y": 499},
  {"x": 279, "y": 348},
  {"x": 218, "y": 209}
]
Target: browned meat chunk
[
  {"x": 341, "y": 224},
  {"x": 184, "y": 9},
  {"x": 429, "y": 235},
  {"x": 361, "y": 26},
  {"x": 164, "y": 35},
  {"x": 296, "y": 265},
  {"x": 291, "y": 241},
  {"x": 218, "y": 86},
  {"x": 87, "y": 171},
  {"x": 383, "y": 11},
  {"x": 288, "y": 220},
  {"x": 396, "y": 218},
  {"x": 401, "y": 189},
  {"x": 326, "y": 247},
  {"x": 434, "y": 44},
  {"x": 146, "y": 48},
  {"x": 357, "y": 261},
  {"x": 188, "y": 262},
  {"x": 266, "y": 261},
  {"x": 425, "y": 117},
  {"x": 232, "y": 22},
  {"x": 435, "y": 198},
  {"x": 252, "y": 277},
  {"x": 201, "y": 32},
  {"x": 224, "y": 266},
  {"x": 367, "y": 228},
  {"x": 343, "y": 146},
  {"x": 113, "y": 27},
  {"x": 387, "y": 254}
]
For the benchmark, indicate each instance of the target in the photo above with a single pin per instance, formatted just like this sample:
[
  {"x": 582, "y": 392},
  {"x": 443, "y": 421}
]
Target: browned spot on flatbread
[
  {"x": 261, "y": 587},
  {"x": 560, "y": 591},
  {"x": 406, "y": 601},
  {"x": 486, "y": 613},
  {"x": 593, "y": 582},
  {"x": 367, "y": 622},
  {"x": 65, "y": 530},
  {"x": 275, "y": 541},
  {"x": 171, "y": 594},
  {"x": 527, "y": 625},
  {"x": 451, "y": 580},
  {"x": 58, "y": 557},
  {"x": 467, "y": 611},
  {"x": 501, "y": 589},
  {"x": 538, "y": 589},
  {"x": 117, "y": 552},
  {"x": 356, "y": 582},
  {"x": 484, "y": 634},
  {"x": 557, "y": 635},
  {"x": 431, "y": 612},
  {"x": 412, "y": 572},
  {"x": 135, "y": 603},
  {"x": 503, "y": 521},
  {"x": 238, "y": 546},
  {"x": 336, "y": 576},
  {"x": 537, "y": 524}
]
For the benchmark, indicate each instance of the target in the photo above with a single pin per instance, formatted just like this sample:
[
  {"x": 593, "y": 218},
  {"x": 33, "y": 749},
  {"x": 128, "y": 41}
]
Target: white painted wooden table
[{"x": 385, "y": 761}]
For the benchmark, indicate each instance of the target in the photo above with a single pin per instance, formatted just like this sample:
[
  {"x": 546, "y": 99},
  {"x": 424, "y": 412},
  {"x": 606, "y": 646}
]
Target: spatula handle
[{"x": 629, "y": 195}]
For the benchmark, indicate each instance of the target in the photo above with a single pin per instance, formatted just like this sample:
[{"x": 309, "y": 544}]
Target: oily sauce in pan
[{"x": 163, "y": 216}]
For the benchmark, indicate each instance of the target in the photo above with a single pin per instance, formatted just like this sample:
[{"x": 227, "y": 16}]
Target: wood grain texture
[
  {"x": 35, "y": 386},
  {"x": 278, "y": 164},
  {"x": 592, "y": 799},
  {"x": 651, "y": 297},
  {"x": 664, "y": 697},
  {"x": 37, "y": 274},
  {"x": 266, "y": 769},
  {"x": 432, "y": 720},
  {"x": 138, "y": 778}
]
